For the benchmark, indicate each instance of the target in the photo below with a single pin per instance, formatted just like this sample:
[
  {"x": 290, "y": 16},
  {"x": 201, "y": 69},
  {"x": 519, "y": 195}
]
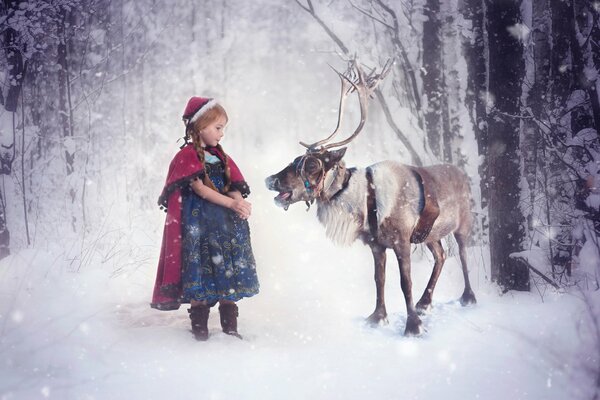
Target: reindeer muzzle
[{"x": 282, "y": 199}]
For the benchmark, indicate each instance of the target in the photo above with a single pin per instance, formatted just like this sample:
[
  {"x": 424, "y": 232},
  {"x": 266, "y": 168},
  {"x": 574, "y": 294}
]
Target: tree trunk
[
  {"x": 432, "y": 77},
  {"x": 506, "y": 70},
  {"x": 560, "y": 76},
  {"x": 17, "y": 66},
  {"x": 475, "y": 53},
  {"x": 579, "y": 28},
  {"x": 595, "y": 59},
  {"x": 536, "y": 99},
  {"x": 447, "y": 137},
  {"x": 453, "y": 97},
  {"x": 405, "y": 67},
  {"x": 65, "y": 112},
  {"x": 14, "y": 57},
  {"x": 4, "y": 232}
]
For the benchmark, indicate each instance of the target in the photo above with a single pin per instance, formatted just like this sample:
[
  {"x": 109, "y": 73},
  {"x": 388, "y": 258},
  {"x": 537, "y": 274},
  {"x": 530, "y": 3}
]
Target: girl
[{"x": 206, "y": 256}]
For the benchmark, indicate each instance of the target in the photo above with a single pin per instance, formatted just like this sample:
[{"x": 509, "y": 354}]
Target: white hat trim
[{"x": 210, "y": 104}]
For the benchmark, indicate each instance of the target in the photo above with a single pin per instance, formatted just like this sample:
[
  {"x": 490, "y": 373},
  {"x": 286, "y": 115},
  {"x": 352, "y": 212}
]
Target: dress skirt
[{"x": 217, "y": 258}]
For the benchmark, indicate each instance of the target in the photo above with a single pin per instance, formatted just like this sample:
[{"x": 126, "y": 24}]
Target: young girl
[{"x": 206, "y": 256}]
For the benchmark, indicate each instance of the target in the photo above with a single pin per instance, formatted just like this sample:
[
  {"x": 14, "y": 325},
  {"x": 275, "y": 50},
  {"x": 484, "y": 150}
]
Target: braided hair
[{"x": 192, "y": 131}]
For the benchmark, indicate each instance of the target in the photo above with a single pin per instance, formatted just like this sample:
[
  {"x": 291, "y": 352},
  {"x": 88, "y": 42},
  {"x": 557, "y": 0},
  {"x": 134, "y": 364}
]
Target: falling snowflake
[
  {"x": 45, "y": 391},
  {"x": 84, "y": 328},
  {"x": 519, "y": 31},
  {"x": 17, "y": 316},
  {"x": 193, "y": 230}
]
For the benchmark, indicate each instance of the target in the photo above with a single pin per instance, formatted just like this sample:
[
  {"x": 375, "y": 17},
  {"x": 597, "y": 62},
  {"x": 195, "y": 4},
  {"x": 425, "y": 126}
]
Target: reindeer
[{"x": 387, "y": 205}]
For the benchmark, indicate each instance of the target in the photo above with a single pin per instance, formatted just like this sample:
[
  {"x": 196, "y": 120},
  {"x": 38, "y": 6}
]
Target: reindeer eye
[{"x": 312, "y": 165}]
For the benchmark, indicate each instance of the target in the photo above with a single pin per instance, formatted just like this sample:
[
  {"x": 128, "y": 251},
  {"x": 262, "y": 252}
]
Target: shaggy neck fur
[{"x": 343, "y": 210}]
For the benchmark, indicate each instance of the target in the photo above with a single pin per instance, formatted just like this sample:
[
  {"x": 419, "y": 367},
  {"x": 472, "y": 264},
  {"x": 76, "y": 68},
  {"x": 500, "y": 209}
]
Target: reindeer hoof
[
  {"x": 467, "y": 298},
  {"x": 423, "y": 306},
  {"x": 377, "y": 318},
  {"x": 413, "y": 326}
]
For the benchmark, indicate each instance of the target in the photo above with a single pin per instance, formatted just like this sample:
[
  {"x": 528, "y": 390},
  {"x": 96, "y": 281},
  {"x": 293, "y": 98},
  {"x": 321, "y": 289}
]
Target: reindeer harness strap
[
  {"x": 371, "y": 204},
  {"x": 427, "y": 215},
  {"x": 431, "y": 208}
]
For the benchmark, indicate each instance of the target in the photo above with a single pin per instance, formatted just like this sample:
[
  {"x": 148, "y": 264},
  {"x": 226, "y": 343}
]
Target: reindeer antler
[
  {"x": 346, "y": 89},
  {"x": 353, "y": 79}
]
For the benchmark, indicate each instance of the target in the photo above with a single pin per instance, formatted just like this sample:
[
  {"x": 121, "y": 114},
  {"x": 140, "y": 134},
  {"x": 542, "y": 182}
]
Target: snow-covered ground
[{"x": 75, "y": 324}]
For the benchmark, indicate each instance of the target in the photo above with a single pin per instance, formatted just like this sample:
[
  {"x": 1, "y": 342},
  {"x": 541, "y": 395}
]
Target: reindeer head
[{"x": 305, "y": 177}]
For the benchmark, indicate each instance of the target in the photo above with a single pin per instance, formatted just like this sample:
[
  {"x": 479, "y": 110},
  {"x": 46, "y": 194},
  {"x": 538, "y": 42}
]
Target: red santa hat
[{"x": 196, "y": 106}]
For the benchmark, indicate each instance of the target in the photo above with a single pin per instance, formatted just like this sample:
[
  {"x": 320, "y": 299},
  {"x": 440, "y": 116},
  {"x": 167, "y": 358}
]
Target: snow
[
  {"x": 75, "y": 321},
  {"x": 519, "y": 31},
  {"x": 593, "y": 200},
  {"x": 87, "y": 332}
]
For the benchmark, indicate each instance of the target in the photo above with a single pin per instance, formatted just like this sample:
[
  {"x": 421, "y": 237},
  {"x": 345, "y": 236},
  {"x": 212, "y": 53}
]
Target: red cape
[{"x": 184, "y": 168}]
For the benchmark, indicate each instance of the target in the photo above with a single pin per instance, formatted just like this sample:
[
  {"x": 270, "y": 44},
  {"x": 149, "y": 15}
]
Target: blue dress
[{"x": 217, "y": 258}]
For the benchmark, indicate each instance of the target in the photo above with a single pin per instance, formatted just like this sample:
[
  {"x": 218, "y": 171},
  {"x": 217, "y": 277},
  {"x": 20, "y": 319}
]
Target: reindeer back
[{"x": 400, "y": 200}]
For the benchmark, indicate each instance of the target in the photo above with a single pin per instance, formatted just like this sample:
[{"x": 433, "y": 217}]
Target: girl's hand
[
  {"x": 233, "y": 200},
  {"x": 242, "y": 207}
]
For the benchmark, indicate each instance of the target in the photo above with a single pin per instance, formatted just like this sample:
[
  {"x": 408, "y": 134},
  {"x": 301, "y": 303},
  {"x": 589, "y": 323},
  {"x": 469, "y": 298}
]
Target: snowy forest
[{"x": 92, "y": 95}]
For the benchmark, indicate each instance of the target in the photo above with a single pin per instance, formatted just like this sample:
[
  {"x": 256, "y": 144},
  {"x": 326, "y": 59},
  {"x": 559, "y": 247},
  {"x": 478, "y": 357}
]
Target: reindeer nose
[{"x": 271, "y": 182}]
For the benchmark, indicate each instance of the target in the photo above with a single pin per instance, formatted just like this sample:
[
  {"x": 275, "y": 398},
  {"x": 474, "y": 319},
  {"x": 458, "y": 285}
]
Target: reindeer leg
[
  {"x": 413, "y": 322},
  {"x": 380, "y": 314},
  {"x": 468, "y": 296},
  {"x": 439, "y": 256}
]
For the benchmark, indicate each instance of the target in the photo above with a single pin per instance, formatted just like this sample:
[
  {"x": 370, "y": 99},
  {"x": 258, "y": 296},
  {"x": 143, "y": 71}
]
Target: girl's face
[{"x": 213, "y": 132}]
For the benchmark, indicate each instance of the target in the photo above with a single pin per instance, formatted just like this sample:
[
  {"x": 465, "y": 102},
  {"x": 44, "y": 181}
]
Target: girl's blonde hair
[
  {"x": 208, "y": 117},
  {"x": 192, "y": 132}
]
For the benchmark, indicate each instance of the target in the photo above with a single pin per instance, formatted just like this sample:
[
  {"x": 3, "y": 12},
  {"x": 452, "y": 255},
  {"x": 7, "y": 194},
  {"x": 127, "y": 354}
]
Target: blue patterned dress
[{"x": 217, "y": 255}]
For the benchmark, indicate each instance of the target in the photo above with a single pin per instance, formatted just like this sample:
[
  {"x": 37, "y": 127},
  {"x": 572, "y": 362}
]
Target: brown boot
[
  {"x": 229, "y": 313},
  {"x": 199, "y": 317}
]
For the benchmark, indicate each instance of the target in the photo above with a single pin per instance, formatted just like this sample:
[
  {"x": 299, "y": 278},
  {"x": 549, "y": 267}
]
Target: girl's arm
[
  {"x": 237, "y": 195},
  {"x": 239, "y": 205},
  {"x": 234, "y": 194}
]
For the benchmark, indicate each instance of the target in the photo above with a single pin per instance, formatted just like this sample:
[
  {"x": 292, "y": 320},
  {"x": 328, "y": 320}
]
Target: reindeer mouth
[{"x": 282, "y": 199}]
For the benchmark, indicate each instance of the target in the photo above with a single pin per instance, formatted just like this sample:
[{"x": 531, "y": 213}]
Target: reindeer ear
[{"x": 334, "y": 157}]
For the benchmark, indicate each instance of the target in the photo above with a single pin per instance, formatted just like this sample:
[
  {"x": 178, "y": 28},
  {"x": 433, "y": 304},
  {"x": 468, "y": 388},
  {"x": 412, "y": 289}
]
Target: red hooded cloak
[{"x": 184, "y": 168}]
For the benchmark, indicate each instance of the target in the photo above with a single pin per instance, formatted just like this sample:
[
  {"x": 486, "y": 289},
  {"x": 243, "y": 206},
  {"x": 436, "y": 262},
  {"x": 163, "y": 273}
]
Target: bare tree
[
  {"x": 536, "y": 95},
  {"x": 454, "y": 99},
  {"x": 506, "y": 71},
  {"x": 65, "y": 108},
  {"x": 584, "y": 24},
  {"x": 431, "y": 74},
  {"x": 309, "y": 8},
  {"x": 17, "y": 67}
]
